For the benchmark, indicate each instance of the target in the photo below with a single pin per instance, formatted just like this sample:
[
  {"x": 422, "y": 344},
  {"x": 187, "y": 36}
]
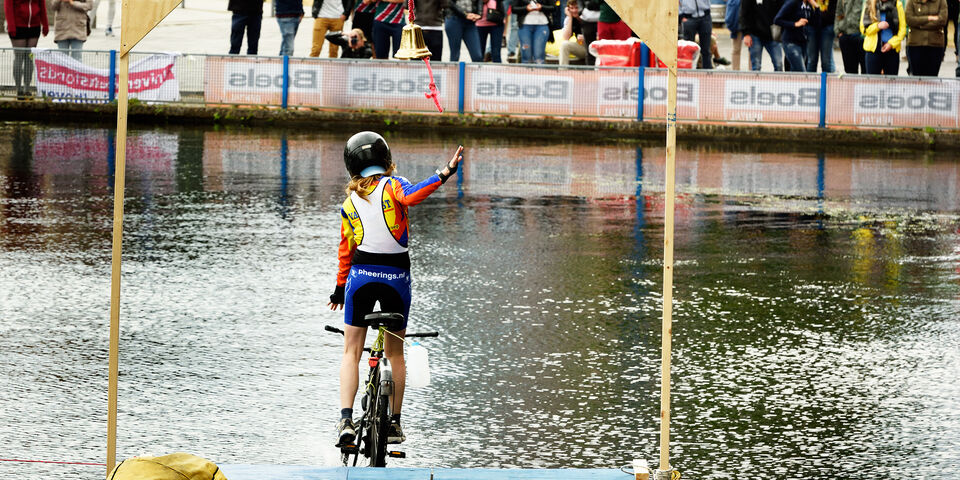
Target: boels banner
[{"x": 722, "y": 97}]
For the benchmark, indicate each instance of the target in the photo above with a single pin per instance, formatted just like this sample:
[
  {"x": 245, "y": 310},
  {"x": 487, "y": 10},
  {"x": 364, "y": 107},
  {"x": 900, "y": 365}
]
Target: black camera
[{"x": 354, "y": 41}]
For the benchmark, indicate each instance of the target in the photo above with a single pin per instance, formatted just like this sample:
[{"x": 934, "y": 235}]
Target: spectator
[
  {"x": 953, "y": 10},
  {"x": 247, "y": 14},
  {"x": 354, "y": 43},
  {"x": 609, "y": 25},
  {"x": 288, "y": 13},
  {"x": 328, "y": 15},
  {"x": 363, "y": 18},
  {"x": 848, "y": 35},
  {"x": 490, "y": 24},
  {"x": 429, "y": 14},
  {"x": 111, "y": 12},
  {"x": 696, "y": 22},
  {"x": 533, "y": 16},
  {"x": 820, "y": 37},
  {"x": 461, "y": 26},
  {"x": 883, "y": 25},
  {"x": 572, "y": 35},
  {"x": 70, "y": 23},
  {"x": 589, "y": 16},
  {"x": 26, "y": 20},
  {"x": 732, "y": 21},
  {"x": 756, "y": 17},
  {"x": 794, "y": 15},
  {"x": 387, "y": 27},
  {"x": 926, "y": 19},
  {"x": 513, "y": 37}
]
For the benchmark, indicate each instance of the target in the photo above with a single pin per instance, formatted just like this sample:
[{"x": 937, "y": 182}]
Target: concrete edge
[{"x": 786, "y": 137}]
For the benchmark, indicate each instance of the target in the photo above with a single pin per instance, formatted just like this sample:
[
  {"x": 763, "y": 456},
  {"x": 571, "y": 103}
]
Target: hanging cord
[{"x": 410, "y": 11}]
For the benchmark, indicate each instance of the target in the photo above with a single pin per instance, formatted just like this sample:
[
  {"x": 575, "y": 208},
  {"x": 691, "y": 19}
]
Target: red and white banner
[{"x": 61, "y": 77}]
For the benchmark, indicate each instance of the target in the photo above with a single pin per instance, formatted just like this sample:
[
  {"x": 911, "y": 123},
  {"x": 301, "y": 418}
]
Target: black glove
[
  {"x": 443, "y": 178},
  {"x": 337, "y": 297}
]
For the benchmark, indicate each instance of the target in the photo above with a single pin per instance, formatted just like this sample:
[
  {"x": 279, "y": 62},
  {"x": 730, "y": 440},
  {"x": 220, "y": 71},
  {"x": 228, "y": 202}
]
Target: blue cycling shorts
[{"x": 368, "y": 284}]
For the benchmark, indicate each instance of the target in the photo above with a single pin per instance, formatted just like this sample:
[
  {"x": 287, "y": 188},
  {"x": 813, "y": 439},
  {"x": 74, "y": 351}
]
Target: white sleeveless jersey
[{"x": 376, "y": 236}]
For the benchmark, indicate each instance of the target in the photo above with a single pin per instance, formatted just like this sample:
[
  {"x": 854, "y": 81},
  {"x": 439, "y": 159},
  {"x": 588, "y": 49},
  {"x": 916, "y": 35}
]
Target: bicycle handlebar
[{"x": 420, "y": 335}]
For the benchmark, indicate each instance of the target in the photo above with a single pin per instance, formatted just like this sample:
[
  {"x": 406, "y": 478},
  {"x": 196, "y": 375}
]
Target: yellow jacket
[{"x": 871, "y": 31}]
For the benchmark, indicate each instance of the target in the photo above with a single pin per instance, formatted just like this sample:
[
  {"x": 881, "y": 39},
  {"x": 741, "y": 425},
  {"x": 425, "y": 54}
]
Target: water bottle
[{"x": 418, "y": 366}]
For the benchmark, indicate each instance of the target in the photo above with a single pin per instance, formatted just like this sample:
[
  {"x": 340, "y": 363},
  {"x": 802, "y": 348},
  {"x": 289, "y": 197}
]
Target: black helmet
[{"x": 366, "y": 154}]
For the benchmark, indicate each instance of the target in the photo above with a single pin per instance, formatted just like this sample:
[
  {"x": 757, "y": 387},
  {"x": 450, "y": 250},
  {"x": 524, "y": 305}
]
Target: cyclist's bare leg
[
  {"x": 353, "y": 338},
  {"x": 393, "y": 349}
]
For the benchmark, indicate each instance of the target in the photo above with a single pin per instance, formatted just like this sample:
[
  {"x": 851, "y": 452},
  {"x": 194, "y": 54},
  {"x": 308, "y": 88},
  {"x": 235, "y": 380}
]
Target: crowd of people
[{"x": 797, "y": 35}]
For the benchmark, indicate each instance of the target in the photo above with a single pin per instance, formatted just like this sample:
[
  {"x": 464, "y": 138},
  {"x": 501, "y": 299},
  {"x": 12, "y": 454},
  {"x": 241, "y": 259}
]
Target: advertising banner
[
  {"x": 63, "y": 78},
  {"x": 772, "y": 99},
  {"x": 391, "y": 86},
  {"x": 496, "y": 89},
  {"x": 888, "y": 103},
  {"x": 243, "y": 80}
]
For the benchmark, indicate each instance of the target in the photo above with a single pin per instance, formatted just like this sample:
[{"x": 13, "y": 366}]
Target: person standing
[
  {"x": 288, "y": 13},
  {"x": 953, "y": 12},
  {"x": 793, "y": 17},
  {"x": 732, "y": 21},
  {"x": 820, "y": 37},
  {"x": 589, "y": 16},
  {"x": 247, "y": 15},
  {"x": 26, "y": 21},
  {"x": 490, "y": 25},
  {"x": 883, "y": 25},
  {"x": 696, "y": 22},
  {"x": 70, "y": 25},
  {"x": 363, "y": 18},
  {"x": 849, "y": 37},
  {"x": 926, "y": 19},
  {"x": 756, "y": 17},
  {"x": 461, "y": 25},
  {"x": 534, "y": 19},
  {"x": 387, "y": 27},
  {"x": 610, "y": 26},
  {"x": 328, "y": 16},
  {"x": 429, "y": 15},
  {"x": 111, "y": 13}
]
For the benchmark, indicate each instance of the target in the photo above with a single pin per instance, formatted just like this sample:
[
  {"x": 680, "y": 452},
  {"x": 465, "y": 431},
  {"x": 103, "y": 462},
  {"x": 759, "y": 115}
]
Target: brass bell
[{"x": 412, "y": 46}]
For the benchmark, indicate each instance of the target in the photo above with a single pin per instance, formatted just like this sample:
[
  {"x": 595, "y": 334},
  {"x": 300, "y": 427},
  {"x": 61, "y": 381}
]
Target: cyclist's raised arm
[{"x": 410, "y": 194}]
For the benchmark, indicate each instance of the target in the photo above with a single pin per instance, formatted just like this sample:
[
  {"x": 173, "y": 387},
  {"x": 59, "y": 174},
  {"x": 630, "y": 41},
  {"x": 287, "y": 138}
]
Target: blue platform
[{"x": 304, "y": 472}]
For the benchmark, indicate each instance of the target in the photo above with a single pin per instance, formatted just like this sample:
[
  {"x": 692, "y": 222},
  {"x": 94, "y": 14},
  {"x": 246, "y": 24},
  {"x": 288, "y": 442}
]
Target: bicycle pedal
[{"x": 397, "y": 454}]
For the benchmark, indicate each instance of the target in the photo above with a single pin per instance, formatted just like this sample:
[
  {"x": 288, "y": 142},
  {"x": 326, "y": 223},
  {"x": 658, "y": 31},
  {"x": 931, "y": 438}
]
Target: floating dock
[{"x": 305, "y": 472}]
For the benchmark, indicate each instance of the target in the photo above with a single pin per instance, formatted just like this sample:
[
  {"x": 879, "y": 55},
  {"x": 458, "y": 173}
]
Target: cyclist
[{"x": 375, "y": 264}]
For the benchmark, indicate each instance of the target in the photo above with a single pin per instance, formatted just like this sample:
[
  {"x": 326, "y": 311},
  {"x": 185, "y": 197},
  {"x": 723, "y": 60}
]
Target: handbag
[{"x": 494, "y": 15}]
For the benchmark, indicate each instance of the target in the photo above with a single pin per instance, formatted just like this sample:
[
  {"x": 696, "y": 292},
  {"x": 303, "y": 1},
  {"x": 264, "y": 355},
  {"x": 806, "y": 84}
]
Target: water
[{"x": 816, "y": 305}]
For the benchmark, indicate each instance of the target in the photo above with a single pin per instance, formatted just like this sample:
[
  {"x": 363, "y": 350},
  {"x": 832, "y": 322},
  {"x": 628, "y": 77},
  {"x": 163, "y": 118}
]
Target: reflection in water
[{"x": 815, "y": 315}]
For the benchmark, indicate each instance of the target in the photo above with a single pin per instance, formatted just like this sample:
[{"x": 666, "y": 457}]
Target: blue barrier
[
  {"x": 461, "y": 82},
  {"x": 112, "y": 81},
  {"x": 640, "y": 91},
  {"x": 823, "y": 100},
  {"x": 286, "y": 82}
]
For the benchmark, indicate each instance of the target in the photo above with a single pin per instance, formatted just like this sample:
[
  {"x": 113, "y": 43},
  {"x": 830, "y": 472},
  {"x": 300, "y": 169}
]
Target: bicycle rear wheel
[{"x": 379, "y": 429}]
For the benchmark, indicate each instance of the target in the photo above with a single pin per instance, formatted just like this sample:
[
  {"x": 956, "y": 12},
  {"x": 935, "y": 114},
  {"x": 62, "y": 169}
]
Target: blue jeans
[
  {"x": 496, "y": 40},
  {"x": 794, "y": 53},
  {"x": 533, "y": 41},
  {"x": 288, "y": 31},
  {"x": 386, "y": 35},
  {"x": 73, "y": 46},
  {"x": 756, "y": 54},
  {"x": 251, "y": 23},
  {"x": 514, "y": 38},
  {"x": 820, "y": 46},
  {"x": 458, "y": 29}
]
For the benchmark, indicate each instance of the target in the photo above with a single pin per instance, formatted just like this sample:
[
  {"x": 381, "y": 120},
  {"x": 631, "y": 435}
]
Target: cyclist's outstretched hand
[{"x": 451, "y": 167}]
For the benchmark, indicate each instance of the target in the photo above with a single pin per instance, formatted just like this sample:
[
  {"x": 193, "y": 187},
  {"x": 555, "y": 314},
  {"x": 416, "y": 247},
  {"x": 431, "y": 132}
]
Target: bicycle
[{"x": 374, "y": 424}]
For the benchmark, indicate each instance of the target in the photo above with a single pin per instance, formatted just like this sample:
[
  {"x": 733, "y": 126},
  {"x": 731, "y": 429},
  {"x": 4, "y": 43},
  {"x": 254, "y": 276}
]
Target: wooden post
[
  {"x": 118, "y": 188},
  {"x": 667, "y": 327}
]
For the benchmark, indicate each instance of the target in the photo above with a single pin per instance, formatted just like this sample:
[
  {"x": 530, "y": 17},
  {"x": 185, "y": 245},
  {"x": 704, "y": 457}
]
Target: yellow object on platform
[{"x": 176, "y": 466}]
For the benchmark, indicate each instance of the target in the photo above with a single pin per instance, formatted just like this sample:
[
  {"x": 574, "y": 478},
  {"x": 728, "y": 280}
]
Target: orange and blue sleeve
[
  {"x": 348, "y": 245},
  {"x": 410, "y": 194}
]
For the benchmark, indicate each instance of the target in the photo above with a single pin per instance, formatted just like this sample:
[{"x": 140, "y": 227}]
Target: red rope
[
  {"x": 410, "y": 10},
  {"x": 51, "y": 461}
]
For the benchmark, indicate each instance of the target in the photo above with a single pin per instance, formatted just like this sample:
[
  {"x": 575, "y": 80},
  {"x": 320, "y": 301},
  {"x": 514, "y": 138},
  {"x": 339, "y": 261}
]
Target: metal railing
[{"x": 721, "y": 97}]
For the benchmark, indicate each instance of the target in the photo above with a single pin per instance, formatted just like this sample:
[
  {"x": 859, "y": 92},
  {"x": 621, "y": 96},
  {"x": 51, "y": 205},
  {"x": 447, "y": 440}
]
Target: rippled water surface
[{"x": 816, "y": 318}]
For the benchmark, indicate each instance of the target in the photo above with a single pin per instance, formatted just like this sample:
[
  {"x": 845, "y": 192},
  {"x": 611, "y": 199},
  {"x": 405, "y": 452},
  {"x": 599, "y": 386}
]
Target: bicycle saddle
[{"x": 393, "y": 321}]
